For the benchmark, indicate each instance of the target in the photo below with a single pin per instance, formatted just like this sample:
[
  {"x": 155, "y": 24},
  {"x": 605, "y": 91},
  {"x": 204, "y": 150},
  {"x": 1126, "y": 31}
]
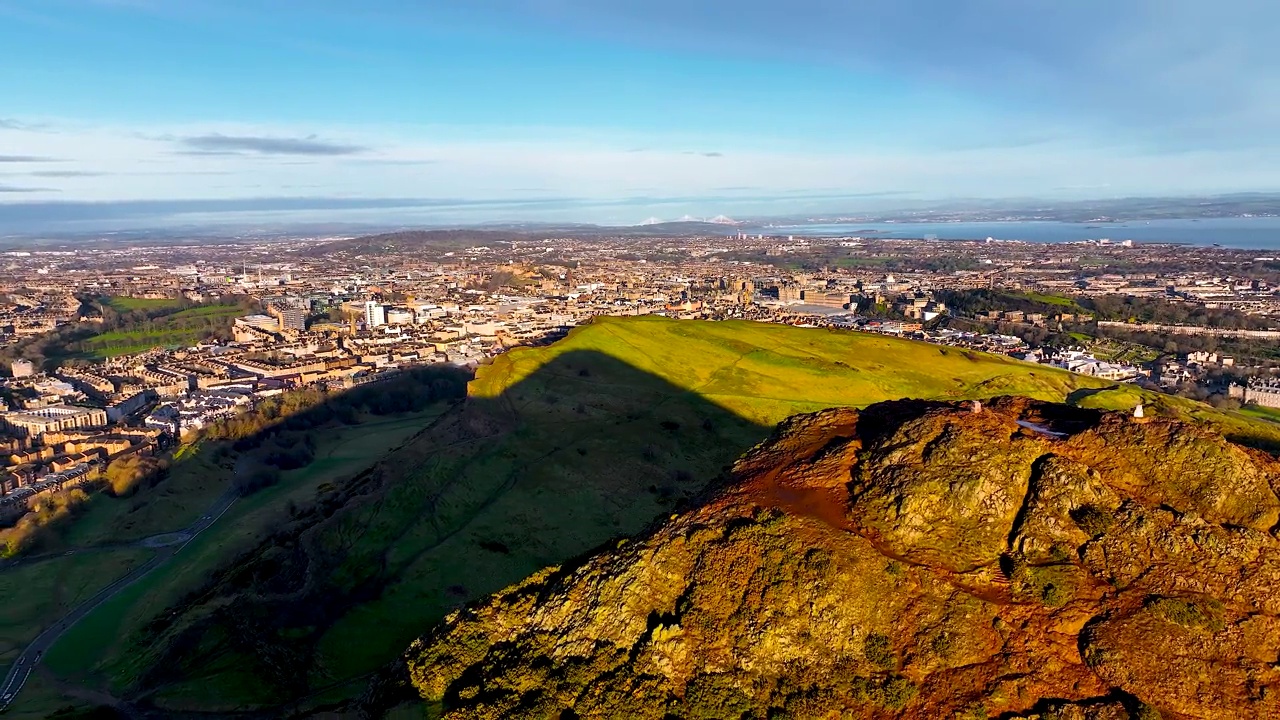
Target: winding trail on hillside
[{"x": 165, "y": 545}]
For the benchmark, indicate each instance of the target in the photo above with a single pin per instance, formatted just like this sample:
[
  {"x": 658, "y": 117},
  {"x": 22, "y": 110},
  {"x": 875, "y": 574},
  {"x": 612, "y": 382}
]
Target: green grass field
[
  {"x": 343, "y": 451},
  {"x": 558, "y": 450},
  {"x": 1065, "y": 302},
  {"x": 43, "y": 698},
  {"x": 1261, "y": 413},
  {"x": 194, "y": 482},
  {"x": 35, "y": 595},
  {"x": 178, "y": 328},
  {"x": 206, "y": 311},
  {"x": 129, "y": 304},
  {"x": 764, "y": 373}
]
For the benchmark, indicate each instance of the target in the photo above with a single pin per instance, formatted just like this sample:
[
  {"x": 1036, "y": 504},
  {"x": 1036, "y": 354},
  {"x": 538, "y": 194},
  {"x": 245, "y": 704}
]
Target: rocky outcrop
[
  {"x": 911, "y": 560},
  {"x": 944, "y": 490}
]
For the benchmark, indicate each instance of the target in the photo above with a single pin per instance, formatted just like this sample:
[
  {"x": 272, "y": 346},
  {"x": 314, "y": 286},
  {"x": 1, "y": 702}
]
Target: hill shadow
[
  {"x": 584, "y": 451},
  {"x": 250, "y": 448},
  {"x": 1076, "y": 396}
]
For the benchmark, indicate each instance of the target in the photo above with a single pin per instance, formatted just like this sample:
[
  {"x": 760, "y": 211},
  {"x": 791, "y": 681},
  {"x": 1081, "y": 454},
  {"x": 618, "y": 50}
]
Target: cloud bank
[
  {"x": 216, "y": 144},
  {"x": 613, "y": 107}
]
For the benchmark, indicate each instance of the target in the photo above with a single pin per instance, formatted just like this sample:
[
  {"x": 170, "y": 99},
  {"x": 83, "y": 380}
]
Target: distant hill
[
  {"x": 915, "y": 560},
  {"x": 556, "y": 450},
  {"x": 411, "y": 240},
  {"x": 445, "y": 240},
  {"x": 675, "y": 228}
]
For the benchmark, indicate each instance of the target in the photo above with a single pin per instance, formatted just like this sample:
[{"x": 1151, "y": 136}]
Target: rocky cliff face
[{"x": 913, "y": 560}]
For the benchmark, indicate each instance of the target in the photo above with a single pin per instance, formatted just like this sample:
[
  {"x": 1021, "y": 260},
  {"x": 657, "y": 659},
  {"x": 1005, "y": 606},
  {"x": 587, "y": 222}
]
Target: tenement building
[
  {"x": 1259, "y": 392},
  {"x": 36, "y": 422}
]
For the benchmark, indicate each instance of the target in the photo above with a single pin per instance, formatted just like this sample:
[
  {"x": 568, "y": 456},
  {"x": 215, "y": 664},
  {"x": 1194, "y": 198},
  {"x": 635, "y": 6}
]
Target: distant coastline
[{"x": 1249, "y": 233}]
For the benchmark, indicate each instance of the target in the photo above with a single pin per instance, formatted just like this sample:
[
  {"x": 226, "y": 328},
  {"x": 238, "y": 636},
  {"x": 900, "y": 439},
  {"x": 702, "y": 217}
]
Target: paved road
[
  {"x": 35, "y": 559},
  {"x": 165, "y": 546}
]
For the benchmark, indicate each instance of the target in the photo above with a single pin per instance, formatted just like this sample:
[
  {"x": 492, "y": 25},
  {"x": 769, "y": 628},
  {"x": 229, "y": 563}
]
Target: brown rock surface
[{"x": 911, "y": 560}]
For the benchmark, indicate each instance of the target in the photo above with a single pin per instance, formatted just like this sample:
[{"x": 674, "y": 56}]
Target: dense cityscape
[{"x": 110, "y": 359}]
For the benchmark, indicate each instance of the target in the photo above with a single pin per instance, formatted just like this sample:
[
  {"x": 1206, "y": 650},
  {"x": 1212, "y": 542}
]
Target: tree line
[
  {"x": 972, "y": 302},
  {"x": 66, "y": 344},
  {"x": 278, "y": 435},
  {"x": 1128, "y": 308}
]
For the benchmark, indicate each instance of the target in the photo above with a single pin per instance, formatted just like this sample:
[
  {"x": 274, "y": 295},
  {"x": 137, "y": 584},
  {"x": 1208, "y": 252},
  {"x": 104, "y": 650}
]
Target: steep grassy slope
[
  {"x": 349, "y": 432},
  {"x": 557, "y": 450},
  {"x": 915, "y": 560}
]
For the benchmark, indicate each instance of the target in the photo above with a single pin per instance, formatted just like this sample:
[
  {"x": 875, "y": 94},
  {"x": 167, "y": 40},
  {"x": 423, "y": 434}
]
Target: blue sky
[{"x": 618, "y": 110}]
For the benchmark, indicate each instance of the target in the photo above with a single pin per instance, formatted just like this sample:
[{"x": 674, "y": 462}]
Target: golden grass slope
[{"x": 767, "y": 372}]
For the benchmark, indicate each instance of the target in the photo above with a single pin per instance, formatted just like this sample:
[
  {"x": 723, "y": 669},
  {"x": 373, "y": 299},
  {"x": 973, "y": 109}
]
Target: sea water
[{"x": 1257, "y": 233}]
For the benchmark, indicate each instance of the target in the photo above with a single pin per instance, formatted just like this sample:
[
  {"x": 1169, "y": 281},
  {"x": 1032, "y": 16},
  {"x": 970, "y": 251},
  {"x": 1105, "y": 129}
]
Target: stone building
[
  {"x": 38, "y": 421},
  {"x": 1259, "y": 392}
]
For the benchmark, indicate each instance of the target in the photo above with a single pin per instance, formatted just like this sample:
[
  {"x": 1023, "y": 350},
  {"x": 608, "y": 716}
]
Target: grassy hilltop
[
  {"x": 764, "y": 373},
  {"x": 557, "y": 450}
]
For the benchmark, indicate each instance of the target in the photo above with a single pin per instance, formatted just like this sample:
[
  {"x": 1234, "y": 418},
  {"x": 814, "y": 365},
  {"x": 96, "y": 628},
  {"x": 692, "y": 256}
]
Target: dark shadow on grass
[
  {"x": 1076, "y": 396},
  {"x": 283, "y": 422},
  {"x": 584, "y": 451}
]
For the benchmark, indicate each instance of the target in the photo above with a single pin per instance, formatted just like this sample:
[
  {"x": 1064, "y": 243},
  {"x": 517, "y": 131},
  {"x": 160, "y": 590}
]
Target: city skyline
[{"x": 614, "y": 112}]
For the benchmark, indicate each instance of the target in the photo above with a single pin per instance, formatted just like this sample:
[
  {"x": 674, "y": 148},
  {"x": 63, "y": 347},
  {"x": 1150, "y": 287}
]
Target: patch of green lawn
[
  {"x": 1261, "y": 413},
  {"x": 129, "y": 304},
  {"x": 1053, "y": 300},
  {"x": 71, "y": 656},
  {"x": 42, "y": 699},
  {"x": 194, "y": 483},
  {"x": 98, "y": 644},
  {"x": 181, "y": 327},
  {"x": 207, "y": 311},
  {"x": 33, "y": 596}
]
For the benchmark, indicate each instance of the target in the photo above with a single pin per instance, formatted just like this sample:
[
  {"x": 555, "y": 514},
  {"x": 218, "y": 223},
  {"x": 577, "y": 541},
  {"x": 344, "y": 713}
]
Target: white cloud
[{"x": 108, "y": 164}]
